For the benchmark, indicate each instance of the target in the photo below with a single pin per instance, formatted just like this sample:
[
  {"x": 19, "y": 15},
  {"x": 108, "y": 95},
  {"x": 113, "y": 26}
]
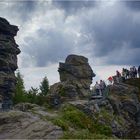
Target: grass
[
  {"x": 83, "y": 134},
  {"x": 77, "y": 125}
]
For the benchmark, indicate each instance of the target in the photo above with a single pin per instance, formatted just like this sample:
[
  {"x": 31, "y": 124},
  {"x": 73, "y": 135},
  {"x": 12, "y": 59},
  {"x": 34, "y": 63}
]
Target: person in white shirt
[{"x": 98, "y": 88}]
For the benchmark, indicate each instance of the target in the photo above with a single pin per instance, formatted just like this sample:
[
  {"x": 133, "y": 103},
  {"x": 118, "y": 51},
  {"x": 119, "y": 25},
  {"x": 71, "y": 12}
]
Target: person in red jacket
[{"x": 110, "y": 79}]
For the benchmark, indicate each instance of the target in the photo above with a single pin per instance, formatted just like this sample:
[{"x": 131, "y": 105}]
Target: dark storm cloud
[
  {"x": 115, "y": 34},
  {"x": 107, "y": 33},
  {"x": 51, "y": 47},
  {"x": 21, "y": 10},
  {"x": 113, "y": 31},
  {"x": 133, "y": 5},
  {"x": 72, "y": 6}
]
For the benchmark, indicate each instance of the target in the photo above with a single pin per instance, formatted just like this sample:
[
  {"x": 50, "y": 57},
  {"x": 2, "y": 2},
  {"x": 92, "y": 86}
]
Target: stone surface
[
  {"x": 120, "y": 110},
  {"x": 75, "y": 79},
  {"x": 8, "y": 59},
  {"x": 77, "y": 70},
  {"x": 28, "y": 124}
]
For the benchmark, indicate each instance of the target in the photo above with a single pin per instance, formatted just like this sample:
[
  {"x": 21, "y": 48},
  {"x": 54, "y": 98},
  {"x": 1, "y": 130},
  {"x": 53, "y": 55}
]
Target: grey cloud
[
  {"x": 111, "y": 33},
  {"x": 133, "y": 5},
  {"x": 24, "y": 9},
  {"x": 20, "y": 10},
  {"x": 51, "y": 46},
  {"x": 72, "y": 6}
]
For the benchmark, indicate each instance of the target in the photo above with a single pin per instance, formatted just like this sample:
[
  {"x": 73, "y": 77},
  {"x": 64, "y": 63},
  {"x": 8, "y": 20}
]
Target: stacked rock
[
  {"x": 8, "y": 61},
  {"x": 75, "y": 80},
  {"x": 77, "y": 71}
]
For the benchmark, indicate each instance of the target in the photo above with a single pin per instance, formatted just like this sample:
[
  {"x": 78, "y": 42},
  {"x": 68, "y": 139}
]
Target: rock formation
[
  {"x": 30, "y": 124},
  {"x": 8, "y": 59},
  {"x": 77, "y": 70},
  {"x": 120, "y": 110},
  {"x": 75, "y": 78}
]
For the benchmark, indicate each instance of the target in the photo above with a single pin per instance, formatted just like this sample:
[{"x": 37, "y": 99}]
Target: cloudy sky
[{"x": 105, "y": 31}]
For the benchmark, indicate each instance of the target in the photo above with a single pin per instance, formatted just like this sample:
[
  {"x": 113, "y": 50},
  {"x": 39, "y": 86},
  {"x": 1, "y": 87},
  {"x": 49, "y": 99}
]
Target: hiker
[
  {"x": 102, "y": 86},
  {"x": 127, "y": 73},
  {"x": 118, "y": 77},
  {"x": 123, "y": 75},
  {"x": 139, "y": 71},
  {"x": 131, "y": 75},
  {"x": 134, "y": 72},
  {"x": 98, "y": 88},
  {"x": 110, "y": 79}
]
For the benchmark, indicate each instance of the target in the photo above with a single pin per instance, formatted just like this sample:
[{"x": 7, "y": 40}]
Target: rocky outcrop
[
  {"x": 30, "y": 124},
  {"x": 75, "y": 79},
  {"x": 76, "y": 69},
  {"x": 8, "y": 59},
  {"x": 120, "y": 110}
]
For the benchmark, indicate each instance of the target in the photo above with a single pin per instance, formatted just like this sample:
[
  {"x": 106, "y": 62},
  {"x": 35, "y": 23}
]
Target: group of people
[
  {"x": 133, "y": 72},
  {"x": 126, "y": 74},
  {"x": 99, "y": 88}
]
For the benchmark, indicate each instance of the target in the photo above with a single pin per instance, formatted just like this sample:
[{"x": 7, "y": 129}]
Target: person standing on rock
[
  {"x": 123, "y": 74},
  {"x": 102, "y": 86},
  {"x": 98, "y": 88},
  {"x": 110, "y": 79},
  {"x": 139, "y": 71},
  {"x": 131, "y": 74},
  {"x": 118, "y": 76},
  {"x": 127, "y": 74},
  {"x": 135, "y": 72}
]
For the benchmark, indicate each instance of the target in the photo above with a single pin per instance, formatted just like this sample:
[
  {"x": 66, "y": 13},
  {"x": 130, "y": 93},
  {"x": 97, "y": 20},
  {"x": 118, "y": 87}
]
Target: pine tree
[
  {"x": 33, "y": 95},
  {"x": 44, "y": 87},
  {"x": 20, "y": 95}
]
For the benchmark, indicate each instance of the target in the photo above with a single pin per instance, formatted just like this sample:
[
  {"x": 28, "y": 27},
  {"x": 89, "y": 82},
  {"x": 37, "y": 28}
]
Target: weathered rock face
[
  {"x": 8, "y": 59},
  {"x": 120, "y": 110},
  {"x": 75, "y": 76},
  {"x": 30, "y": 124},
  {"x": 77, "y": 70}
]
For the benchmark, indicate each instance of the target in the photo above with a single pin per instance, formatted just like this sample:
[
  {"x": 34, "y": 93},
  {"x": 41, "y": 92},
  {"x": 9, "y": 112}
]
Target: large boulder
[
  {"x": 8, "y": 60},
  {"x": 75, "y": 79},
  {"x": 76, "y": 69}
]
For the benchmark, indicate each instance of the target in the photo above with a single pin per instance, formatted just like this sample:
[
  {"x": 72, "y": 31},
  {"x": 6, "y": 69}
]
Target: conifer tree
[
  {"x": 44, "y": 87},
  {"x": 20, "y": 95}
]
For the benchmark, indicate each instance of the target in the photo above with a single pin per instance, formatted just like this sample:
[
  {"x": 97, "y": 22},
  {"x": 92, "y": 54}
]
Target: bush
[{"x": 61, "y": 123}]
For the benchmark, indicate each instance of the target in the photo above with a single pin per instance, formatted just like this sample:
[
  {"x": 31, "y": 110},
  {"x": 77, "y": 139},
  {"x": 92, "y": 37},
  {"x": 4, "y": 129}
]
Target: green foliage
[
  {"x": 77, "y": 125},
  {"x": 82, "y": 134},
  {"x": 44, "y": 87},
  {"x": 62, "y": 92},
  {"x": 20, "y": 94},
  {"x": 102, "y": 129},
  {"x": 31, "y": 96},
  {"x": 77, "y": 118},
  {"x": 61, "y": 123},
  {"x": 106, "y": 115}
]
